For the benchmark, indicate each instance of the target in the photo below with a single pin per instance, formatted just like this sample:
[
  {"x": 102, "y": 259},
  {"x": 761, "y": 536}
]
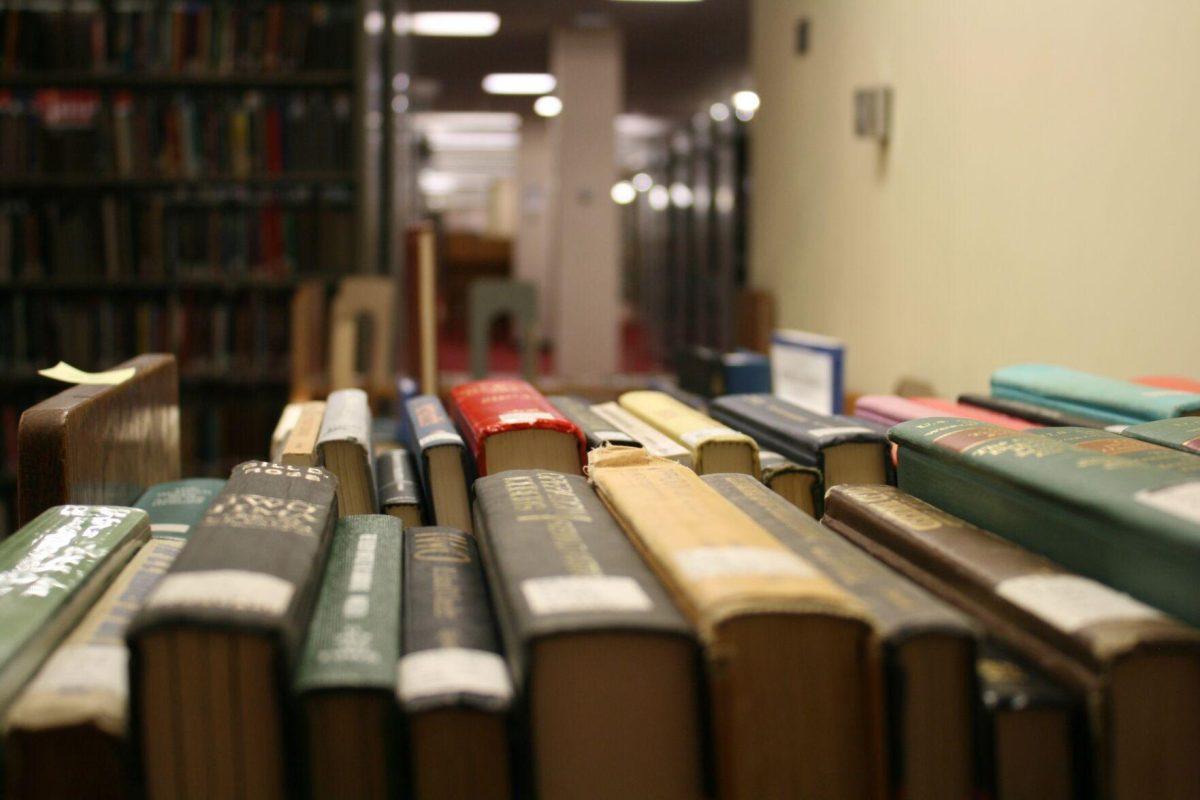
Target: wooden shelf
[
  {"x": 241, "y": 283},
  {"x": 143, "y": 81},
  {"x": 105, "y": 183}
]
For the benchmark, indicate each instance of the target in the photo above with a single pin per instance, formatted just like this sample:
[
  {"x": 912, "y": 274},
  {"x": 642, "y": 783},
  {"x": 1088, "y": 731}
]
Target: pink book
[
  {"x": 888, "y": 409},
  {"x": 949, "y": 408}
]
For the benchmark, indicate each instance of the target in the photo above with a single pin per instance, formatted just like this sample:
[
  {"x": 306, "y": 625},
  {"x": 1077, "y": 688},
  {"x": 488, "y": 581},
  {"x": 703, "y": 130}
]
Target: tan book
[
  {"x": 714, "y": 447},
  {"x": 300, "y": 447},
  {"x": 650, "y": 438},
  {"x": 792, "y": 663}
]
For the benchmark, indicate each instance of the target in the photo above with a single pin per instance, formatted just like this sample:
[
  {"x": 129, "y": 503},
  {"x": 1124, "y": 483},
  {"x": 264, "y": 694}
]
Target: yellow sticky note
[{"x": 62, "y": 371}]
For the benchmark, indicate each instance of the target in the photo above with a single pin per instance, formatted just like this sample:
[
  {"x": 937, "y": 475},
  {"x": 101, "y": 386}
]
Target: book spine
[
  {"x": 398, "y": 479},
  {"x": 176, "y": 507}
]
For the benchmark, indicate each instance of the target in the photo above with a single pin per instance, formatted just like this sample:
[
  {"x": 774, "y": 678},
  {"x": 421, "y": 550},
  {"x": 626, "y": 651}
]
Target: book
[
  {"x": 1178, "y": 433},
  {"x": 399, "y": 487},
  {"x": 596, "y": 429},
  {"x": 301, "y": 448},
  {"x": 843, "y": 449},
  {"x": 287, "y": 421},
  {"x": 808, "y": 369},
  {"x": 59, "y": 439},
  {"x": 715, "y": 447},
  {"x": 508, "y": 424},
  {"x": 78, "y": 702},
  {"x": 788, "y": 653},
  {"x": 228, "y": 618},
  {"x": 1176, "y": 382},
  {"x": 711, "y": 373},
  {"x": 1039, "y": 415},
  {"x": 176, "y": 507},
  {"x": 453, "y": 687},
  {"x": 344, "y": 448},
  {"x": 1132, "y": 522},
  {"x": 656, "y": 443},
  {"x": 800, "y": 486},
  {"x": 606, "y": 666},
  {"x": 928, "y": 647},
  {"x": 1136, "y": 667},
  {"x": 51, "y": 571},
  {"x": 345, "y": 682},
  {"x": 668, "y": 386},
  {"x": 442, "y": 460},
  {"x": 889, "y": 410},
  {"x": 1031, "y": 742},
  {"x": 949, "y": 408},
  {"x": 1108, "y": 399}
]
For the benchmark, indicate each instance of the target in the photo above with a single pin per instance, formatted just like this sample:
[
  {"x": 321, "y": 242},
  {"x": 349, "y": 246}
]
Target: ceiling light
[
  {"x": 547, "y": 106},
  {"x": 642, "y": 182},
  {"x": 519, "y": 83},
  {"x": 681, "y": 195},
  {"x": 373, "y": 22},
  {"x": 746, "y": 101},
  {"x": 446, "y": 23},
  {"x": 745, "y": 115},
  {"x": 659, "y": 197},
  {"x": 719, "y": 112},
  {"x": 623, "y": 193}
]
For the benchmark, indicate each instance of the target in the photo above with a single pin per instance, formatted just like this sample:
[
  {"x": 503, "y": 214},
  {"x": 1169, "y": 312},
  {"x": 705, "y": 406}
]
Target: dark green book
[
  {"x": 1127, "y": 515},
  {"x": 929, "y": 647},
  {"x": 1179, "y": 433},
  {"x": 346, "y": 679},
  {"x": 176, "y": 506},
  {"x": 607, "y": 669},
  {"x": 227, "y": 620},
  {"x": 454, "y": 686}
]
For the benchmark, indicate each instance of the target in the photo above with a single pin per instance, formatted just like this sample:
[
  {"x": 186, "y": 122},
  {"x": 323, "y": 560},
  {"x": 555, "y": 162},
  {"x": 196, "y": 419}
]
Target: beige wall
[{"x": 1040, "y": 199}]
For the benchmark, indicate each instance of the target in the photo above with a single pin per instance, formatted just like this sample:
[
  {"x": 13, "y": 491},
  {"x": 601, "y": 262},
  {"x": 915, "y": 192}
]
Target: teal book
[
  {"x": 1108, "y": 399},
  {"x": 1180, "y": 433},
  {"x": 1126, "y": 514},
  {"x": 346, "y": 678},
  {"x": 176, "y": 506}
]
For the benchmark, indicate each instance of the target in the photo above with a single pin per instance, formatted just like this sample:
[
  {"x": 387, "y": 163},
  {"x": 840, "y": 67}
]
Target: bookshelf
[{"x": 169, "y": 174}]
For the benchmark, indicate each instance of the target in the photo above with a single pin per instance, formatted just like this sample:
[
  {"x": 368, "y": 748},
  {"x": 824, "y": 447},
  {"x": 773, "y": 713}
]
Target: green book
[
  {"x": 1093, "y": 396},
  {"x": 51, "y": 571},
  {"x": 346, "y": 678},
  {"x": 1180, "y": 433},
  {"x": 1127, "y": 515},
  {"x": 176, "y": 506}
]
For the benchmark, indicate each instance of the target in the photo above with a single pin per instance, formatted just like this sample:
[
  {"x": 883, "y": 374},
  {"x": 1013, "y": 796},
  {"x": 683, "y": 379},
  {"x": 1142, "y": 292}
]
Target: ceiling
[{"x": 679, "y": 56}]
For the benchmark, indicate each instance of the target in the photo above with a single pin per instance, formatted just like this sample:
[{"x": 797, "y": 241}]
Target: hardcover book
[
  {"x": 1178, "y": 433},
  {"x": 399, "y": 486},
  {"x": 597, "y": 430},
  {"x": 789, "y": 654},
  {"x": 287, "y": 421},
  {"x": 1176, "y": 382},
  {"x": 454, "y": 687},
  {"x": 1109, "y": 399},
  {"x": 135, "y": 424},
  {"x": 508, "y": 424},
  {"x": 889, "y": 410},
  {"x": 607, "y": 667},
  {"x": 227, "y": 619},
  {"x": 344, "y": 448},
  {"x": 68, "y": 728},
  {"x": 843, "y": 449},
  {"x": 808, "y": 369},
  {"x": 1039, "y": 415},
  {"x": 800, "y": 486},
  {"x": 711, "y": 373},
  {"x": 928, "y": 647},
  {"x": 300, "y": 448},
  {"x": 1132, "y": 521},
  {"x": 668, "y": 386},
  {"x": 715, "y": 447},
  {"x": 949, "y": 408},
  {"x": 177, "y": 506},
  {"x": 1138, "y": 669},
  {"x": 442, "y": 460},
  {"x": 649, "y": 438},
  {"x": 345, "y": 682}
]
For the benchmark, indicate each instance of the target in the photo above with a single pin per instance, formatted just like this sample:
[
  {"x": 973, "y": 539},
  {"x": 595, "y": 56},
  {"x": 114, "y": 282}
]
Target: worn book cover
[
  {"x": 1178, "y": 433},
  {"x": 1040, "y": 415},
  {"x": 399, "y": 485},
  {"x": 344, "y": 447},
  {"x": 596, "y": 428},
  {"x": 800, "y": 485},
  {"x": 1109, "y": 399},
  {"x": 650, "y": 438},
  {"x": 177, "y": 506},
  {"x": 715, "y": 447},
  {"x": 300, "y": 448},
  {"x": 432, "y": 438},
  {"x": 135, "y": 424}
]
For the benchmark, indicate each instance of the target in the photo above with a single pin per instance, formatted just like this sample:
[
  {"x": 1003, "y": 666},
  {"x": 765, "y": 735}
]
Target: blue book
[
  {"x": 442, "y": 461},
  {"x": 1109, "y": 399},
  {"x": 808, "y": 369}
]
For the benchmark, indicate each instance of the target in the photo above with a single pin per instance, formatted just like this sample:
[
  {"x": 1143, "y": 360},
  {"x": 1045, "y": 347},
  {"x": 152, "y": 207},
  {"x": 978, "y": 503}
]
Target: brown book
[
  {"x": 1138, "y": 668},
  {"x": 300, "y": 447},
  {"x": 98, "y": 444},
  {"x": 799, "y": 485},
  {"x": 791, "y": 658},
  {"x": 308, "y": 334}
]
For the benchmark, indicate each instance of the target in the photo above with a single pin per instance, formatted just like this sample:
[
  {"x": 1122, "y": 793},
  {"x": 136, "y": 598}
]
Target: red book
[
  {"x": 949, "y": 408},
  {"x": 508, "y": 424},
  {"x": 1176, "y": 382}
]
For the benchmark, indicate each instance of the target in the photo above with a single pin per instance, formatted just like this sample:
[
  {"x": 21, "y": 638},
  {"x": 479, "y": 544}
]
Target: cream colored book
[
  {"x": 714, "y": 447},
  {"x": 287, "y": 421},
  {"x": 300, "y": 447},
  {"x": 655, "y": 442},
  {"x": 793, "y": 665}
]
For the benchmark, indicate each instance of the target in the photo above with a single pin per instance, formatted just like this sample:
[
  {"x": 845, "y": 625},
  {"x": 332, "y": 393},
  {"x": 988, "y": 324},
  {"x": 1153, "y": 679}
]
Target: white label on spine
[
  {"x": 1070, "y": 602},
  {"x": 698, "y": 563},
  {"x": 453, "y": 670},
  {"x": 569, "y": 594},
  {"x": 1181, "y": 500},
  {"x": 843, "y": 431},
  {"x": 524, "y": 417},
  {"x": 439, "y": 437},
  {"x": 169, "y": 527},
  {"x": 236, "y": 589},
  {"x": 82, "y": 668},
  {"x": 694, "y": 439}
]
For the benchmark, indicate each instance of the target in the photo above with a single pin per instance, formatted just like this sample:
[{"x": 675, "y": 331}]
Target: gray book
[{"x": 345, "y": 448}]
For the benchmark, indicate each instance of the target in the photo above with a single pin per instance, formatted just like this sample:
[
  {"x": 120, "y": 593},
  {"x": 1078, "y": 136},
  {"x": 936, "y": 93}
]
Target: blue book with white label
[
  {"x": 442, "y": 459},
  {"x": 1112, "y": 400},
  {"x": 808, "y": 369}
]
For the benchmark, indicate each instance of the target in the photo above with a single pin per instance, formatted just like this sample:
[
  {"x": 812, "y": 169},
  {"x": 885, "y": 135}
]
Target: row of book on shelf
[{"x": 506, "y": 594}]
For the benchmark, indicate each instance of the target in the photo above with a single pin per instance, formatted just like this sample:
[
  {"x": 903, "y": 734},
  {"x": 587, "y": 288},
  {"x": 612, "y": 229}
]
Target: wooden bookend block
[
  {"x": 101, "y": 444},
  {"x": 355, "y": 360}
]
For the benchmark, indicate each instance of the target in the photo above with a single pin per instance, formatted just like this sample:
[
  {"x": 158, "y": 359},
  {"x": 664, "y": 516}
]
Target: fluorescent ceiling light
[
  {"x": 431, "y": 121},
  {"x": 547, "y": 106},
  {"x": 519, "y": 83},
  {"x": 746, "y": 101},
  {"x": 623, "y": 193},
  {"x": 446, "y": 23},
  {"x": 473, "y": 140}
]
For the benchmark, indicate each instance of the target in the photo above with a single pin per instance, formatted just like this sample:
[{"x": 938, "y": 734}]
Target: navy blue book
[
  {"x": 710, "y": 373},
  {"x": 442, "y": 461},
  {"x": 845, "y": 450}
]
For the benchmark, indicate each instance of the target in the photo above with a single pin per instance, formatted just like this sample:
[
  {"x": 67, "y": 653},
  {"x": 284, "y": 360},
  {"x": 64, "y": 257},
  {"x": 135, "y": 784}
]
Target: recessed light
[
  {"x": 719, "y": 112},
  {"x": 681, "y": 195},
  {"x": 642, "y": 182},
  {"x": 446, "y": 23},
  {"x": 623, "y": 193},
  {"x": 547, "y": 106},
  {"x": 659, "y": 197},
  {"x": 746, "y": 101},
  {"x": 519, "y": 83}
]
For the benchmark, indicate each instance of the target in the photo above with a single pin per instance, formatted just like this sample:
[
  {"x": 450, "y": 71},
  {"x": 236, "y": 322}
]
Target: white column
[{"x": 535, "y": 183}]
